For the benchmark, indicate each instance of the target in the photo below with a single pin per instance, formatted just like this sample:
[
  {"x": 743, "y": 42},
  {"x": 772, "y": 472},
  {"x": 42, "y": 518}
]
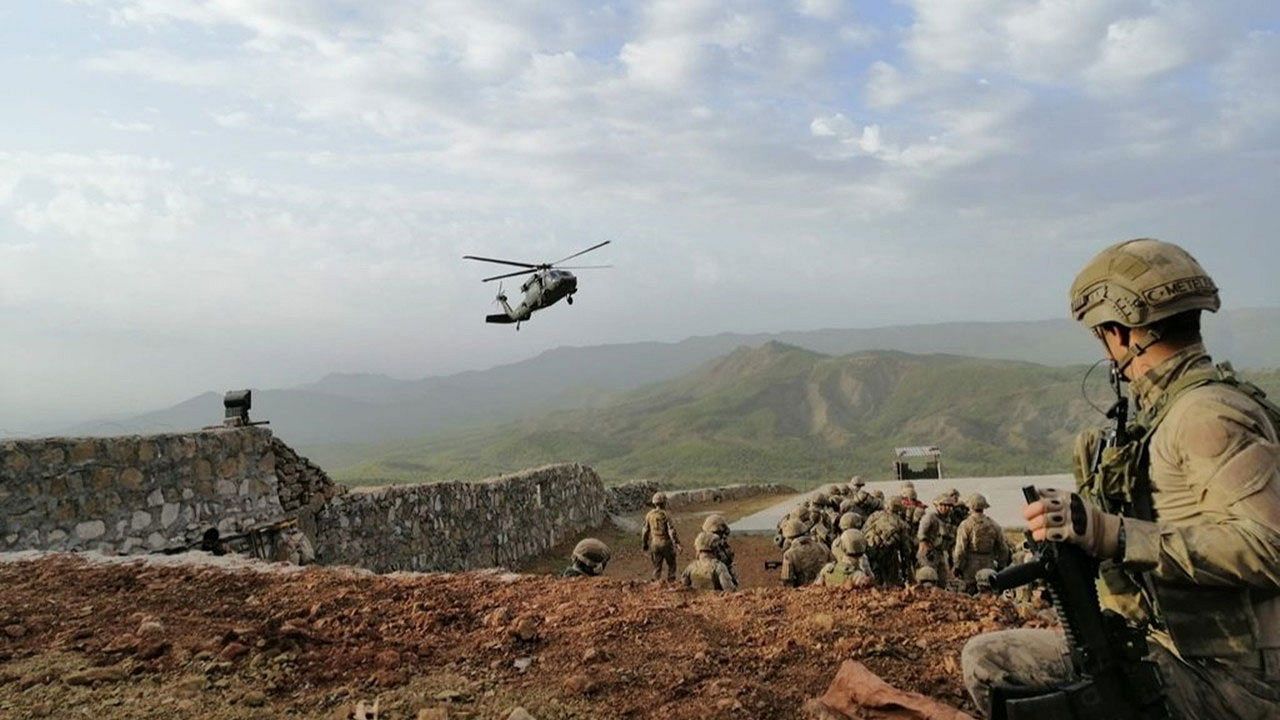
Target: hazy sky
[{"x": 206, "y": 195}]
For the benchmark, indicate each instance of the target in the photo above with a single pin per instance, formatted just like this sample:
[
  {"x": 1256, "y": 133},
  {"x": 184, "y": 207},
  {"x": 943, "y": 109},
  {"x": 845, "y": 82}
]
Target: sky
[{"x": 253, "y": 193}]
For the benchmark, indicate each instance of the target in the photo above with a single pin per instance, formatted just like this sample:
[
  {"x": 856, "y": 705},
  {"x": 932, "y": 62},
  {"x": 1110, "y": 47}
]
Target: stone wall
[
  {"x": 135, "y": 493},
  {"x": 635, "y": 495},
  {"x": 498, "y": 522}
]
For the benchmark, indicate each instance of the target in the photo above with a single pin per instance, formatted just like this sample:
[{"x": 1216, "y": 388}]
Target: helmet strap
[{"x": 1136, "y": 349}]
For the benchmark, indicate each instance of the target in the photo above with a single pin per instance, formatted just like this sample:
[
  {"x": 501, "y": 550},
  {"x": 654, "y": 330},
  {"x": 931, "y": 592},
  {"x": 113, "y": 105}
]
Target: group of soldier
[{"x": 849, "y": 536}]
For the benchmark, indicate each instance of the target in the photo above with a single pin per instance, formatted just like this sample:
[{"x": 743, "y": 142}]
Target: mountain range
[
  {"x": 783, "y": 413},
  {"x": 344, "y": 418}
]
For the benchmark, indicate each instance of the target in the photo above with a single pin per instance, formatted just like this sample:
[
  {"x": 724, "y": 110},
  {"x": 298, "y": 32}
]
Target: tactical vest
[
  {"x": 1203, "y": 621},
  {"x": 884, "y": 532},
  {"x": 703, "y": 574},
  {"x": 659, "y": 536},
  {"x": 842, "y": 574},
  {"x": 984, "y": 537}
]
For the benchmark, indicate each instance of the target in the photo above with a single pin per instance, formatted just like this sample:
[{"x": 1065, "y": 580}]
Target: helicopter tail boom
[{"x": 500, "y": 318}]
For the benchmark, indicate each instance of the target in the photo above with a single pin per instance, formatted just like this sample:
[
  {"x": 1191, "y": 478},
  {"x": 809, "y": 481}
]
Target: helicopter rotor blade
[
  {"x": 583, "y": 252},
  {"x": 582, "y": 267},
  {"x": 518, "y": 272},
  {"x": 500, "y": 262}
]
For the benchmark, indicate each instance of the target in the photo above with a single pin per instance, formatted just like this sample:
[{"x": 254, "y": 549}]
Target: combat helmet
[
  {"x": 659, "y": 499},
  {"x": 857, "y": 481},
  {"x": 978, "y": 501},
  {"x": 705, "y": 542},
  {"x": 983, "y": 578},
  {"x": 944, "y": 499},
  {"x": 847, "y": 505},
  {"x": 715, "y": 523},
  {"x": 793, "y": 529},
  {"x": 834, "y": 490},
  {"x": 1140, "y": 282},
  {"x": 592, "y": 553},
  {"x": 849, "y": 520},
  {"x": 909, "y": 492},
  {"x": 926, "y": 575},
  {"x": 852, "y": 542},
  {"x": 821, "y": 500}
]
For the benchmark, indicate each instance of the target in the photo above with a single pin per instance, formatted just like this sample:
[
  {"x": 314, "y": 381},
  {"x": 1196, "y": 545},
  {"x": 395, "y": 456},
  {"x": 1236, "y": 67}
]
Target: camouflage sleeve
[
  {"x": 1231, "y": 456},
  {"x": 788, "y": 572},
  {"x": 725, "y": 579},
  {"x": 961, "y": 551},
  {"x": 686, "y": 577},
  {"x": 671, "y": 532},
  {"x": 644, "y": 535},
  {"x": 926, "y": 529}
]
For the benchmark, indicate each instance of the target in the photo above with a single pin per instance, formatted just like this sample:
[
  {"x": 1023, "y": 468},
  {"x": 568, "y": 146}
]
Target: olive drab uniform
[
  {"x": 980, "y": 544},
  {"x": 888, "y": 547},
  {"x": 848, "y": 572},
  {"x": 707, "y": 573},
  {"x": 660, "y": 540},
  {"x": 803, "y": 560},
  {"x": 938, "y": 534},
  {"x": 1200, "y": 490}
]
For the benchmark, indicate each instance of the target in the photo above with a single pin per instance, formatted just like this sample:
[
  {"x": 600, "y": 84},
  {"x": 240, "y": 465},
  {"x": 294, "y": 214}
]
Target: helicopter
[{"x": 549, "y": 282}]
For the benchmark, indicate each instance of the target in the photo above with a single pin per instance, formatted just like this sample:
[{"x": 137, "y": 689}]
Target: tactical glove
[{"x": 1065, "y": 517}]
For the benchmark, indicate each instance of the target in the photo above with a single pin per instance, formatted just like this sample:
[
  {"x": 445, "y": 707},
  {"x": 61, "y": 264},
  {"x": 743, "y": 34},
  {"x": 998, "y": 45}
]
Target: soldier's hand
[{"x": 1065, "y": 517}]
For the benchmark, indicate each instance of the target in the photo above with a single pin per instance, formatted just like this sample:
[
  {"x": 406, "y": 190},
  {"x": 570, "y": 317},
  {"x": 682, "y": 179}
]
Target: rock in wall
[
  {"x": 135, "y": 493},
  {"x": 459, "y": 525},
  {"x": 630, "y": 496}
]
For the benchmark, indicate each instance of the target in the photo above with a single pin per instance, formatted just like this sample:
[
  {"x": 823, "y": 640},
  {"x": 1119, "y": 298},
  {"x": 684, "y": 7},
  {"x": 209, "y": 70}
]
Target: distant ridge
[
  {"x": 780, "y": 412},
  {"x": 361, "y": 409}
]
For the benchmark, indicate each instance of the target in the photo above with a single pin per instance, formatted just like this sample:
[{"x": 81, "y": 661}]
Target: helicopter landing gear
[{"x": 569, "y": 299}]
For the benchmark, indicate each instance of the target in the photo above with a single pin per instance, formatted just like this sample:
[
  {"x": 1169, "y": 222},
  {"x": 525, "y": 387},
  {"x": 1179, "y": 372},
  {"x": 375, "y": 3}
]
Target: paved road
[{"x": 1004, "y": 494}]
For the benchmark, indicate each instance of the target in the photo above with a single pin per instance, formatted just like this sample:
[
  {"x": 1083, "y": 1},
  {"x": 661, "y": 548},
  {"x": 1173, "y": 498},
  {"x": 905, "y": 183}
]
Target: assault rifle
[{"x": 1113, "y": 680}]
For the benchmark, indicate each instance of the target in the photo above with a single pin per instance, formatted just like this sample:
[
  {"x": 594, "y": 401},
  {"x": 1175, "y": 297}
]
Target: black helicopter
[{"x": 548, "y": 284}]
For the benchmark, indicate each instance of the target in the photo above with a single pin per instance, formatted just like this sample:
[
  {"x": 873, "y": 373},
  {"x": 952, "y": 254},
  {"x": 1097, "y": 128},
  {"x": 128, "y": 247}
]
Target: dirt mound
[{"x": 239, "y": 643}]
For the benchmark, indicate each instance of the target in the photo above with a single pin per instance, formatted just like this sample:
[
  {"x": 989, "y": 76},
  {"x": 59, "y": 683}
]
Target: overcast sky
[{"x": 207, "y": 195}]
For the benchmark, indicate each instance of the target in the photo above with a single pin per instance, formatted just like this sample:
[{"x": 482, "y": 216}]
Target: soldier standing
[
  {"x": 888, "y": 540},
  {"x": 707, "y": 572},
  {"x": 590, "y": 556},
  {"x": 851, "y": 569},
  {"x": 1192, "y": 518},
  {"x": 660, "y": 538},
  {"x": 934, "y": 537},
  {"x": 804, "y": 556},
  {"x": 980, "y": 544}
]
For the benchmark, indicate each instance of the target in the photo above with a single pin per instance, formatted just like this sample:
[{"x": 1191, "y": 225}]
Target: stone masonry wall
[
  {"x": 636, "y": 494},
  {"x": 135, "y": 493},
  {"x": 459, "y": 525}
]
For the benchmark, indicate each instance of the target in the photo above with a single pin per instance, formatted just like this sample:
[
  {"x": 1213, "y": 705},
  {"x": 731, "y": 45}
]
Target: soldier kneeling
[
  {"x": 851, "y": 569},
  {"x": 707, "y": 572},
  {"x": 590, "y": 556}
]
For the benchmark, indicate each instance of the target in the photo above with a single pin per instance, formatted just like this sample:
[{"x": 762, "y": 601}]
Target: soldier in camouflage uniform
[
  {"x": 1195, "y": 499},
  {"x": 980, "y": 545},
  {"x": 851, "y": 569},
  {"x": 719, "y": 527},
  {"x": 660, "y": 539},
  {"x": 707, "y": 572},
  {"x": 590, "y": 556},
  {"x": 889, "y": 545},
  {"x": 803, "y": 558},
  {"x": 935, "y": 537}
]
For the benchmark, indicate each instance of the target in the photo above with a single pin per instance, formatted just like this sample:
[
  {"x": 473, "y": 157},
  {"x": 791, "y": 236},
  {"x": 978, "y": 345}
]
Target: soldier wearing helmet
[
  {"x": 850, "y": 569},
  {"x": 706, "y": 572},
  {"x": 590, "y": 556},
  {"x": 717, "y": 525},
  {"x": 927, "y": 576},
  {"x": 982, "y": 580},
  {"x": 804, "y": 556},
  {"x": 888, "y": 538},
  {"x": 660, "y": 539},
  {"x": 1184, "y": 514},
  {"x": 980, "y": 544},
  {"x": 935, "y": 536}
]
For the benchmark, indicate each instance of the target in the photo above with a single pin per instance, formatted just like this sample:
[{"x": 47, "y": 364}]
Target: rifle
[{"x": 1113, "y": 680}]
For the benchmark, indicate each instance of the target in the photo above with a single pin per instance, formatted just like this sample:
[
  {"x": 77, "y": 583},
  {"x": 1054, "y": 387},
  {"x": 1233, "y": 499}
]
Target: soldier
[
  {"x": 707, "y": 572},
  {"x": 982, "y": 581},
  {"x": 927, "y": 576},
  {"x": 888, "y": 545},
  {"x": 803, "y": 558},
  {"x": 590, "y": 556},
  {"x": 851, "y": 569},
  {"x": 933, "y": 548},
  {"x": 959, "y": 510},
  {"x": 717, "y": 525},
  {"x": 660, "y": 539},
  {"x": 980, "y": 544},
  {"x": 1199, "y": 532}
]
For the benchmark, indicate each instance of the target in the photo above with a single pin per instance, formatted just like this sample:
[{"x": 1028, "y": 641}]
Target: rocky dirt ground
[{"x": 81, "y": 637}]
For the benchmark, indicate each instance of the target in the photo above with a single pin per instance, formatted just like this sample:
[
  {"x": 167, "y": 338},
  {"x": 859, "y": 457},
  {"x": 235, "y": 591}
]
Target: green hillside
[{"x": 779, "y": 412}]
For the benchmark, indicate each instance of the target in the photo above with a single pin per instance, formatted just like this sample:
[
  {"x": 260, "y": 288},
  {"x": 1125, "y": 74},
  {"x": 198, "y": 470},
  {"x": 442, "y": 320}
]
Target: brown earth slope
[{"x": 131, "y": 640}]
